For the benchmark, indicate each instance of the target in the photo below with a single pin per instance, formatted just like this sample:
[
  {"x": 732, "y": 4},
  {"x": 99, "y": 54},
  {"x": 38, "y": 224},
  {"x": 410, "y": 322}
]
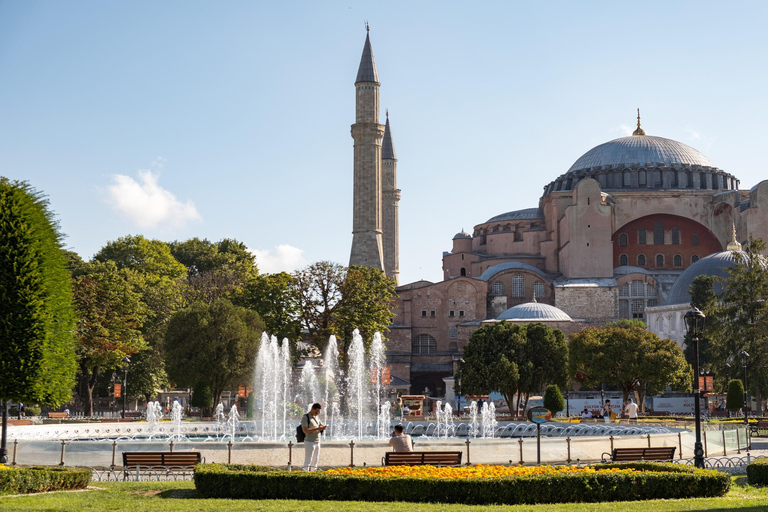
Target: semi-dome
[
  {"x": 715, "y": 265},
  {"x": 641, "y": 149},
  {"x": 462, "y": 235},
  {"x": 535, "y": 311}
]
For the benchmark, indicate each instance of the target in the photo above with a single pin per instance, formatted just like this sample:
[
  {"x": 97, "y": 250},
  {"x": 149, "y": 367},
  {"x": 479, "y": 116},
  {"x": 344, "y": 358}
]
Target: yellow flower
[{"x": 477, "y": 471}]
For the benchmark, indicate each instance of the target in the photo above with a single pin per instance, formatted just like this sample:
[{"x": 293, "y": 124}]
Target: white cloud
[
  {"x": 624, "y": 129},
  {"x": 692, "y": 134},
  {"x": 285, "y": 258},
  {"x": 148, "y": 204}
]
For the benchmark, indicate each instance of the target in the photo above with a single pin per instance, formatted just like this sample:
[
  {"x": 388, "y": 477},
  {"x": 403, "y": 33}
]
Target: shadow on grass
[{"x": 180, "y": 494}]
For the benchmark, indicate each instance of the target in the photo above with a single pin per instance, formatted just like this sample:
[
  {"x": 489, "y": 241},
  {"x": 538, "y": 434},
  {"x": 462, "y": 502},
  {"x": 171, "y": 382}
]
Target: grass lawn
[{"x": 181, "y": 496}]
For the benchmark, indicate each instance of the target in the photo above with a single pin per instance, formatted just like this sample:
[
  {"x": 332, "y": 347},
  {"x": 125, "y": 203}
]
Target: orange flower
[{"x": 477, "y": 471}]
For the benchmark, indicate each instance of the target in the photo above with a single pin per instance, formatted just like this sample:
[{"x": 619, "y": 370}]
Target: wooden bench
[
  {"x": 58, "y": 415},
  {"x": 167, "y": 461},
  {"x": 421, "y": 459},
  {"x": 19, "y": 422},
  {"x": 760, "y": 426},
  {"x": 633, "y": 454}
]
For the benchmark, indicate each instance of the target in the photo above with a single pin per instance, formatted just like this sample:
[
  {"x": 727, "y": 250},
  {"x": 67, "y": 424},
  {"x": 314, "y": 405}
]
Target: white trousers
[{"x": 311, "y": 455}]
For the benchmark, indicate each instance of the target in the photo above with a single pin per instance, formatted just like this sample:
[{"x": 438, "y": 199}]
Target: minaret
[
  {"x": 390, "y": 196},
  {"x": 367, "y": 249}
]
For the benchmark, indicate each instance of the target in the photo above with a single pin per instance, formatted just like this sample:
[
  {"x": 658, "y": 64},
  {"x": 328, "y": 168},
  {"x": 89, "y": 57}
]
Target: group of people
[{"x": 608, "y": 415}]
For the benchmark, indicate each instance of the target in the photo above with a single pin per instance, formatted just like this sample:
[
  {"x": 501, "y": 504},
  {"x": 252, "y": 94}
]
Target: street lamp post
[
  {"x": 567, "y": 404},
  {"x": 126, "y": 362},
  {"x": 694, "y": 323},
  {"x": 744, "y": 356}
]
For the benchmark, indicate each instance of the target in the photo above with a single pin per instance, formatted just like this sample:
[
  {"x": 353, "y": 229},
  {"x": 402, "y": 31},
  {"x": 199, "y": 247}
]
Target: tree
[
  {"x": 740, "y": 321},
  {"x": 202, "y": 398},
  {"x": 214, "y": 344},
  {"x": 110, "y": 316},
  {"x": 37, "y": 359},
  {"x": 735, "y": 398},
  {"x": 703, "y": 297},
  {"x": 514, "y": 360},
  {"x": 317, "y": 288},
  {"x": 553, "y": 399},
  {"x": 631, "y": 359},
  {"x": 272, "y": 297}
]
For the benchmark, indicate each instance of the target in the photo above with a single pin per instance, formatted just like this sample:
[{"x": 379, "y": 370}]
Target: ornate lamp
[{"x": 694, "y": 324}]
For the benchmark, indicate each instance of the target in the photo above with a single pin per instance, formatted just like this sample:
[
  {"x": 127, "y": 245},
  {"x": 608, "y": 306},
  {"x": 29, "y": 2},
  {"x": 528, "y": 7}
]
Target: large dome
[
  {"x": 535, "y": 311},
  {"x": 641, "y": 149},
  {"x": 715, "y": 265}
]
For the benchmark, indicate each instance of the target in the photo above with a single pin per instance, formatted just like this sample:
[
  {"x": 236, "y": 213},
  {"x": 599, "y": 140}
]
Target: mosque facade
[{"x": 609, "y": 239}]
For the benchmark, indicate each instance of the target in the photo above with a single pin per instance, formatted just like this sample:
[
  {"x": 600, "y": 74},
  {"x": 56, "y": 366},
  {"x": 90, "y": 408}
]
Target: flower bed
[
  {"x": 24, "y": 480},
  {"x": 477, "y": 484}
]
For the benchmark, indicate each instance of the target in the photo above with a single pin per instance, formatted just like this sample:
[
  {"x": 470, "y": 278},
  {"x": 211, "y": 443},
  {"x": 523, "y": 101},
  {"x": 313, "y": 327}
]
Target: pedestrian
[
  {"x": 20, "y": 410},
  {"x": 585, "y": 414},
  {"x": 607, "y": 411},
  {"x": 631, "y": 411},
  {"x": 400, "y": 441},
  {"x": 312, "y": 429}
]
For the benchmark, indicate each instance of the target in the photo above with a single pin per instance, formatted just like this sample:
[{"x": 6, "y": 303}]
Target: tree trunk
[
  {"x": 3, "y": 445},
  {"x": 89, "y": 376},
  {"x": 759, "y": 400}
]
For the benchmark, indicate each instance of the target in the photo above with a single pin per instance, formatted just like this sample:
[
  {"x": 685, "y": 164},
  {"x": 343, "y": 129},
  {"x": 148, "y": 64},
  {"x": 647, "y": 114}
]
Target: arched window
[
  {"x": 659, "y": 260},
  {"x": 659, "y": 325},
  {"x": 641, "y": 178},
  {"x": 463, "y": 271},
  {"x": 623, "y": 260},
  {"x": 538, "y": 290},
  {"x": 658, "y": 233},
  {"x": 672, "y": 323},
  {"x": 424, "y": 344},
  {"x": 678, "y": 261},
  {"x": 518, "y": 286},
  {"x": 623, "y": 240},
  {"x": 695, "y": 239},
  {"x": 497, "y": 288},
  {"x": 675, "y": 236},
  {"x": 641, "y": 260},
  {"x": 634, "y": 297},
  {"x": 627, "y": 179},
  {"x": 694, "y": 259},
  {"x": 453, "y": 332},
  {"x": 641, "y": 236}
]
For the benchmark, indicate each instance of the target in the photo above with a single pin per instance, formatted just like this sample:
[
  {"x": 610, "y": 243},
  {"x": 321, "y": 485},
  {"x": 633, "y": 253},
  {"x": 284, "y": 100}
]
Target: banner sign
[
  {"x": 539, "y": 415},
  {"x": 118, "y": 390}
]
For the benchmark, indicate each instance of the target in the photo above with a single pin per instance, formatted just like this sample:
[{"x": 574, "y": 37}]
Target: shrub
[
  {"x": 553, "y": 399},
  {"x": 757, "y": 472},
  {"x": 735, "y": 399},
  {"x": 41, "y": 479},
  {"x": 32, "y": 410},
  {"x": 658, "y": 481}
]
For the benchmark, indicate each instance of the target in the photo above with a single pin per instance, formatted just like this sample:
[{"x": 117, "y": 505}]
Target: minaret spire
[{"x": 389, "y": 205}]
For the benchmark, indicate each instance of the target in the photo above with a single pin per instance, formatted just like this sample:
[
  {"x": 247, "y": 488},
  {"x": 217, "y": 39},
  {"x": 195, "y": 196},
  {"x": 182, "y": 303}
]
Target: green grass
[{"x": 181, "y": 496}]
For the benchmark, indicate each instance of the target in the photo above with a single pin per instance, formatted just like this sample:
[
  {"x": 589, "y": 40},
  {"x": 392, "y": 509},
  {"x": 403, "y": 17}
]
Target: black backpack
[{"x": 300, "y": 435}]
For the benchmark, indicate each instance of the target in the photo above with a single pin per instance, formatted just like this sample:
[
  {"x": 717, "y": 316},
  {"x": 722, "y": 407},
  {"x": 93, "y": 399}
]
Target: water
[
  {"x": 357, "y": 384},
  {"x": 377, "y": 363},
  {"x": 309, "y": 386},
  {"x": 272, "y": 383},
  {"x": 177, "y": 431},
  {"x": 154, "y": 415}
]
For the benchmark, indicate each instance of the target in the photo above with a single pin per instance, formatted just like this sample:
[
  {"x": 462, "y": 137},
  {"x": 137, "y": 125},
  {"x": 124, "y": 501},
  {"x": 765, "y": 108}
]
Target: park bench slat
[
  {"x": 761, "y": 425},
  {"x": 443, "y": 458},
  {"x": 647, "y": 453},
  {"x": 182, "y": 459}
]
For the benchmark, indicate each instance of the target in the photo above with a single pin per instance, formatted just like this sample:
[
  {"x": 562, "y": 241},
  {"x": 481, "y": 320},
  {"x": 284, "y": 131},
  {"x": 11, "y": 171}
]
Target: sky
[{"x": 183, "y": 119}]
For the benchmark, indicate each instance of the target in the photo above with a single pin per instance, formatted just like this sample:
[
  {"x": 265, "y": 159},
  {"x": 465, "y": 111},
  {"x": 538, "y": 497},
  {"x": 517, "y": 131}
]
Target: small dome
[
  {"x": 715, "y": 265},
  {"x": 535, "y": 311},
  {"x": 629, "y": 269},
  {"x": 462, "y": 235},
  {"x": 526, "y": 214}
]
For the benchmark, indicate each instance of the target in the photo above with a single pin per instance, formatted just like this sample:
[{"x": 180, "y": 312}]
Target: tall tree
[
  {"x": 37, "y": 359},
  {"x": 703, "y": 297},
  {"x": 317, "y": 288},
  {"x": 214, "y": 344},
  {"x": 632, "y": 359},
  {"x": 110, "y": 316},
  {"x": 740, "y": 322}
]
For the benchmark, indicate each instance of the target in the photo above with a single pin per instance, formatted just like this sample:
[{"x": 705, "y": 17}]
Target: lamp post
[
  {"x": 744, "y": 357},
  {"x": 694, "y": 323},
  {"x": 126, "y": 362},
  {"x": 567, "y": 404}
]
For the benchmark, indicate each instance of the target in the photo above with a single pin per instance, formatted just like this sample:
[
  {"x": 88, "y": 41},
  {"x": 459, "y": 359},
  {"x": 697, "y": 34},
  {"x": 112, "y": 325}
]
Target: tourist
[
  {"x": 312, "y": 429},
  {"x": 607, "y": 411},
  {"x": 631, "y": 411},
  {"x": 585, "y": 414},
  {"x": 406, "y": 410},
  {"x": 400, "y": 441},
  {"x": 20, "y": 410}
]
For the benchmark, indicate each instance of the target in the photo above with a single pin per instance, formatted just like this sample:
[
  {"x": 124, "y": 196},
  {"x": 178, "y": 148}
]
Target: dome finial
[
  {"x": 367, "y": 27},
  {"x": 639, "y": 130},
  {"x": 734, "y": 245}
]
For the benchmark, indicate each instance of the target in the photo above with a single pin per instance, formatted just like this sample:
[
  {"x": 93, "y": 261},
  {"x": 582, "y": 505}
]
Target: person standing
[
  {"x": 607, "y": 411},
  {"x": 631, "y": 411},
  {"x": 400, "y": 441},
  {"x": 312, "y": 429}
]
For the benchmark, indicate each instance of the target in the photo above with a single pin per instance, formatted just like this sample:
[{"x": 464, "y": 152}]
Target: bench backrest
[
  {"x": 57, "y": 415},
  {"x": 422, "y": 458},
  {"x": 653, "y": 453},
  {"x": 161, "y": 458}
]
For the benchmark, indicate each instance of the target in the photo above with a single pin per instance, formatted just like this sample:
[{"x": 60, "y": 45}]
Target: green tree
[
  {"x": 735, "y": 399},
  {"x": 202, "y": 398},
  {"x": 631, "y": 359},
  {"x": 553, "y": 399},
  {"x": 214, "y": 344},
  {"x": 740, "y": 322},
  {"x": 272, "y": 297},
  {"x": 626, "y": 323},
  {"x": 514, "y": 360},
  {"x": 703, "y": 296},
  {"x": 37, "y": 358},
  {"x": 110, "y": 316},
  {"x": 317, "y": 289}
]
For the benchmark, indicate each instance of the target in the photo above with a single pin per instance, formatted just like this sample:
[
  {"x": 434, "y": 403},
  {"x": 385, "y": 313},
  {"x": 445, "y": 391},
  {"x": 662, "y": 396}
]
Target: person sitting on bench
[{"x": 400, "y": 441}]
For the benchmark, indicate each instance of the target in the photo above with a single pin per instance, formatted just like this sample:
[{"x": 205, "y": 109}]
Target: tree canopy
[
  {"x": 273, "y": 297},
  {"x": 553, "y": 399},
  {"x": 514, "y": 360},
  {"x": 214, "y": 344},
  {"x": 632, "y": 359},
  {"x": 37, "y": 358}
]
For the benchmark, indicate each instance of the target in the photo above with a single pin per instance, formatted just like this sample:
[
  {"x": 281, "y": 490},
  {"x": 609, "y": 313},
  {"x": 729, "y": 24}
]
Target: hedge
[
  {"x": 757, "y": 472},
  {"x": 658, "y": 481},
  {"x": 30, "y": 479}
]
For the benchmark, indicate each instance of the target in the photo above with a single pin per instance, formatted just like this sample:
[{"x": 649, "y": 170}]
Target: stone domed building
[{"x": 615, "y": 236}]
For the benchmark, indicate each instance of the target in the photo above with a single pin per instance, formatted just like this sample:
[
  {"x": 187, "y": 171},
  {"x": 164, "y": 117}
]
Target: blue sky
[{"x": 231, "y": 119}]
